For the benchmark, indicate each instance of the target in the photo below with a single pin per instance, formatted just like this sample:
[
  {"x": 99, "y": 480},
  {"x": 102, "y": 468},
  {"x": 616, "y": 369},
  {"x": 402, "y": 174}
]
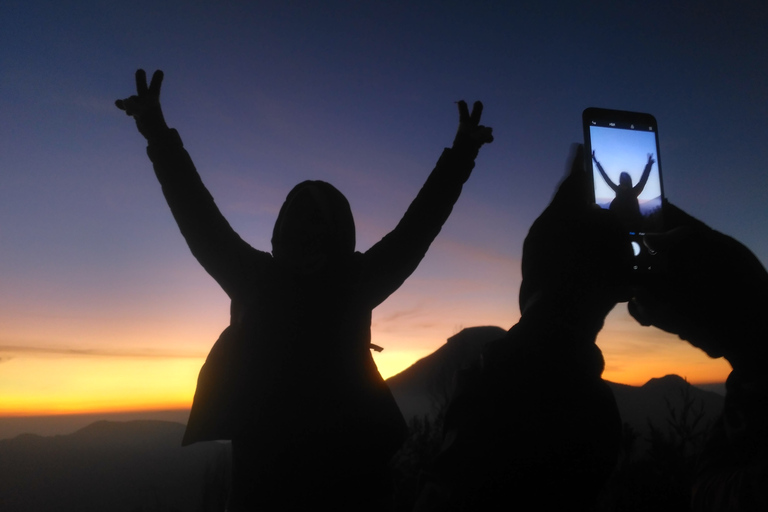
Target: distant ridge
[
  {"x": 664, "y": 382},
  {"x": 140, "y": 465},
  {"x": 67, "y": 423},
  {"x": 430, "y": 378},
  {"x": 112, "y": 429},
  {"x": 421, "y": 386},
  {"x": 652, "y": 401},
  {"x": 134, "y": 465}
]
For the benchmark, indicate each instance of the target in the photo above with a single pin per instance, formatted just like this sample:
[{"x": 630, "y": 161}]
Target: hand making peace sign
[
  {"x": 471, "y": 134},
  {"x": 144, "y": 106}
]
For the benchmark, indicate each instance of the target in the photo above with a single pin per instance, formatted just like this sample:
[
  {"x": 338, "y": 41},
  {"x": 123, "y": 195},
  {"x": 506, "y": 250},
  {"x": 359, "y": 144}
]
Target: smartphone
[{"x": 622, "y": 149}]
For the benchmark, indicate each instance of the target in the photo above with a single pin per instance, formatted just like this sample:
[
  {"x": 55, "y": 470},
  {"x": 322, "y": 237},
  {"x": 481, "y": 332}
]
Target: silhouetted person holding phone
[
  {"x": 532, "y": 425},
  {"x": 626, "y": 204},
  {"x": 715, "y": 296},
  {"x": 291, "y": 380}
]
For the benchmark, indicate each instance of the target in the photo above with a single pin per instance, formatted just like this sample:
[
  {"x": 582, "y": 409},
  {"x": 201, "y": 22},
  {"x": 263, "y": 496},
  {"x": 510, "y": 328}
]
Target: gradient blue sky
[{"x": 97, "y": 288}]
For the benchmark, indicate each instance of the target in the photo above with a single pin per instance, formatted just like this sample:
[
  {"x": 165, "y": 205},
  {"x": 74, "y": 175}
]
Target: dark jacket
[
  {"x": 531, "y": 425},
  {"x": 294, "y": 370},
  {"x": 732, "y": 470}
]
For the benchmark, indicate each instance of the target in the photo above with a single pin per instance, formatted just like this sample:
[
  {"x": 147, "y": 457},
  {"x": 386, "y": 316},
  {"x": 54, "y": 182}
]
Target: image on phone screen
[{"x": 625, "y": 174}]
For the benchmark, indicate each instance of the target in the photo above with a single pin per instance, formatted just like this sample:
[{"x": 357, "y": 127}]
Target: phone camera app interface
[{"x": 625, "y": 173}]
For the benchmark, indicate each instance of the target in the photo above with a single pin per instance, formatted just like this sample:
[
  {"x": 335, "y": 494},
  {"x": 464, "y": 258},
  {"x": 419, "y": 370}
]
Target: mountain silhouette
[
  {"x": 140, "y": 465},
  {"x": 428, "y": 383},
  {"x": 424, "y": 386},
  {"x": 128, "y": 466},
  {"x": 653, "y": 402},
  {"x": 67, "y": 423}
]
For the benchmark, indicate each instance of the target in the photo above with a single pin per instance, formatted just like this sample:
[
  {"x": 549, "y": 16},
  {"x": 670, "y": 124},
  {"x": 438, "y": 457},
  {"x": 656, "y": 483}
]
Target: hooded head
[
  {"x": 625, "y": 180},
  {"x": 315, "y": 229}
]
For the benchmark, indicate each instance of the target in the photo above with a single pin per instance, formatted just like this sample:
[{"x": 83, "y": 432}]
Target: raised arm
[
  {"x": 390, "y": 261},
  {"x": 209, "y": 236},
  {"x": 611, "y": 184},
  {"x": 638, "y": 189}
]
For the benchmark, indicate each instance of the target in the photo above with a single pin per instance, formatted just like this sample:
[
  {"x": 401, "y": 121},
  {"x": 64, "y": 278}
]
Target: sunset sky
[{"x": 102, "y": 306}]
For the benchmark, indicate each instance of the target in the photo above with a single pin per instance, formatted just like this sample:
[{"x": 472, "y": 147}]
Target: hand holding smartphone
[{"x": 624, "y": 165}]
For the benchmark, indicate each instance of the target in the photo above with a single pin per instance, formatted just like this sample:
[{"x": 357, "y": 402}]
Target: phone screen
[{"x": 623, "y": 152}]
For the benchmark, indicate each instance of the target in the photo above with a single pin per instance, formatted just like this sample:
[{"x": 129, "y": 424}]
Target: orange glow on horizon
[
  {"x": 635, "y": 354},
  {"x": 73, "y": 385},
  {"x": 712, "y": 372},
  {"x": 25, "y": 413},
  {"x": 39, "y": 383}
]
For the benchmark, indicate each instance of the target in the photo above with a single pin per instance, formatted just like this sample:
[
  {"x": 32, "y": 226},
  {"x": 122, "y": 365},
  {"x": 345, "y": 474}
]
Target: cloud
[
  {"x": 401, "y": 314},
  {"x": 134, "y": 353},
  {"x": 92, "y": 103}
]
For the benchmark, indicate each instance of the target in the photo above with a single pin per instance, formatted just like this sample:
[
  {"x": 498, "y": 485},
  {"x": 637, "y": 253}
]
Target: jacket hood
[{"x": 314, "y": 229}]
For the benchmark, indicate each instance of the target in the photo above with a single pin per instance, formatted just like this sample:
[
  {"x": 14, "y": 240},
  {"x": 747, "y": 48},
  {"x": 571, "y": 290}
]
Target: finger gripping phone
[{"x": 624, "y": 165}]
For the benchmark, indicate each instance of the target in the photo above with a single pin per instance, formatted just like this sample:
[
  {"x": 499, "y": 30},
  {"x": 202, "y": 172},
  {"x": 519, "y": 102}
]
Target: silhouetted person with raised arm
[
  {"x": 532, "y": 426},
  {"x": 291, "y": 380},
  {"x": 626, "y": 204},
  {"x": 715, "y": 296}
]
